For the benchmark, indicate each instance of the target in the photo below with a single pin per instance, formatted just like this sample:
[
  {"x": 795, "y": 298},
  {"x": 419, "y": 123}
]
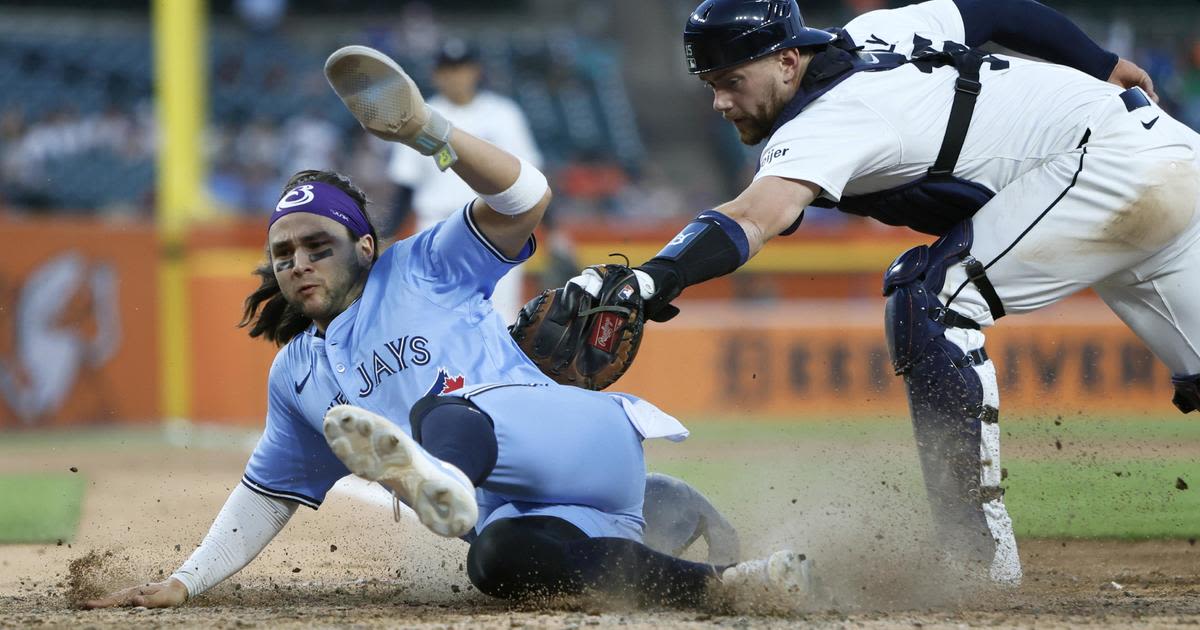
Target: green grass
[
  {"x": 741, "y": 461},
  {"x": 1061, "y": 499},
  {"x": 39, "y": 508},
  {"x": 1052, "y": 493}
]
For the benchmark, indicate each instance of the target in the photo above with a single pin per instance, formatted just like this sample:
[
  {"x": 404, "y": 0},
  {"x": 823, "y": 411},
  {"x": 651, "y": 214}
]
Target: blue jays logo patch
[{"x": 444, "y": 383}]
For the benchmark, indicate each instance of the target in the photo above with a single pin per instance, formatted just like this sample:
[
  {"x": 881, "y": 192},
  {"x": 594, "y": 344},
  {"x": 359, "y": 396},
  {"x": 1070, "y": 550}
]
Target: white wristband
[{"x": 523, "y": 195}]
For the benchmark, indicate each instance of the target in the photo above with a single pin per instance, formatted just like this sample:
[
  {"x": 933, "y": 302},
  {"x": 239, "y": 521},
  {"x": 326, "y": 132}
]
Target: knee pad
[
  {"x": 1187, "y": 392},
  {"x": 437, "y": 407},
  {"x": 913, "y": 314},
  {"x": 454, "y": 430}
]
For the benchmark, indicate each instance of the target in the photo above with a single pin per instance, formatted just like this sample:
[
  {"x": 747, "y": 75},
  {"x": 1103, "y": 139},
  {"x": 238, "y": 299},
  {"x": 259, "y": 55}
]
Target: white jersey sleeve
[
  {"x": 240, "y": 532},
  {"x": 832, "y": 142},
  {"x": 897, "y": 30}
]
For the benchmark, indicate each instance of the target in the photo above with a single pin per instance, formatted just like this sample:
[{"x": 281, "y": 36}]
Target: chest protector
[{"x": 938, "y": 200}]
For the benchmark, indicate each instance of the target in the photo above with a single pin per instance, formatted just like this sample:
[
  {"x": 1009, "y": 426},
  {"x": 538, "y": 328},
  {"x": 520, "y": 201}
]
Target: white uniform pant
[{"x": 1118, "y": 214}]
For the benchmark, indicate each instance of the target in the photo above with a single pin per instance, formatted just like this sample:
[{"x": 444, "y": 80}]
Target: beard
[
  {"x": 755, "y": 127},
  {"x": 335, "y": 294},
  {"x": 752, "y": 131}
]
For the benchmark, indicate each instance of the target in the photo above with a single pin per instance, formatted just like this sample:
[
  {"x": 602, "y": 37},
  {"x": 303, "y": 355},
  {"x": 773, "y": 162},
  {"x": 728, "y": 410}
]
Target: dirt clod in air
[{"x": 86, "y": 576}]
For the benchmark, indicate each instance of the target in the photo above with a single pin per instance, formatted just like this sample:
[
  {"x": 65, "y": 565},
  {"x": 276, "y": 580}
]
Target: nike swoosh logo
[
  {"x": 1150, "y": 124},
  {"x": 301, "y": 384}
]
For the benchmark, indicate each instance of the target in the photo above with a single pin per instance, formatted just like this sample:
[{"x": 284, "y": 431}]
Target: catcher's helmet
[{"x": 723, "y": 33}]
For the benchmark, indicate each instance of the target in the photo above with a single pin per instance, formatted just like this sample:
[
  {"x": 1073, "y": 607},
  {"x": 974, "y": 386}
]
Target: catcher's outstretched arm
[
  {"x": 242, "y": 529},
  {"x": 719, "y": 241}
]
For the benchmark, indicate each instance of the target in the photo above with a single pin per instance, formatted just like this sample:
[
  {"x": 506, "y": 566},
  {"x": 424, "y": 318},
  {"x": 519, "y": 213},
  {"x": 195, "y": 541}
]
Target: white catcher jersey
[{"x": 879, "y": 130}]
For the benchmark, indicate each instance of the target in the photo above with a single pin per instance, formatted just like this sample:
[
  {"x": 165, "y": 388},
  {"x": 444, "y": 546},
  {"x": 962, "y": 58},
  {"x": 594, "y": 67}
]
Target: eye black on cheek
[
  {"x": 325, "y": 253},
  {"x": 284, "y": 265}
]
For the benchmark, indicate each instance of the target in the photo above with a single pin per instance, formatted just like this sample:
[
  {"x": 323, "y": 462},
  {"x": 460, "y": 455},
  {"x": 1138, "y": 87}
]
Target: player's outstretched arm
[
  {"x": 717, "y": 242},
  {"x": 513, "y": 194},
  {"x": 387, "y": 103},
  {"x": 767, "y": 207},
  {"x": 242, "y": 529}
]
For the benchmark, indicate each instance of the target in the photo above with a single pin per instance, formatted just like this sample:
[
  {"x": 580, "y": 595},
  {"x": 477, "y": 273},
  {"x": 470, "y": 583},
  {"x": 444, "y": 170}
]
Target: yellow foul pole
[{"x": 179, "y": 44}]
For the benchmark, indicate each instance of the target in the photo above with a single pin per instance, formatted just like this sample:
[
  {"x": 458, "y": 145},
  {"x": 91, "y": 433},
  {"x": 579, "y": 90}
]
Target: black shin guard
[{"x": 954, "y": 423}]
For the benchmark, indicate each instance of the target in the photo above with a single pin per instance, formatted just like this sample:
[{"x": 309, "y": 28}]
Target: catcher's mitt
[{"x": 581, "y": 340}]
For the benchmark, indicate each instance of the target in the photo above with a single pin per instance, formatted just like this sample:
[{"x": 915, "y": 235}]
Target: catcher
[{"x": 395, "y": 368}]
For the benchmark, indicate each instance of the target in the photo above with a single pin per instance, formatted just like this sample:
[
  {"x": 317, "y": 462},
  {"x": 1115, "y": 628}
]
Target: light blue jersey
[{"x": 424, "y": 325}]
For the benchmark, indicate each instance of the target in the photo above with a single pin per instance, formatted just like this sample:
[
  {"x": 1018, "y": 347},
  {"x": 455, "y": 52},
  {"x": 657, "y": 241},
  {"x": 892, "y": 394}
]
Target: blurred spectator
[
  {"x": 593, "y": 177},
  {"x": 436, "y": 195},
  {"x": 261, "y": 16},
  {"x": 368, "y": 163},
  {"x": 1189, "y": 89},
  {"x": 310, "y": 141},
  {"x": 18, "y": 176},
  {"x": 651, "y": 195},
  {"x": 561, "y": 263},
  {"x": 273, "y": 114}
]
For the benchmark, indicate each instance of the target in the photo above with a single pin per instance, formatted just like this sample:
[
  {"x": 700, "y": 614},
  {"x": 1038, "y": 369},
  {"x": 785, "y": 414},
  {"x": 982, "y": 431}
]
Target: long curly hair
[{"x": 266, "y": 312}]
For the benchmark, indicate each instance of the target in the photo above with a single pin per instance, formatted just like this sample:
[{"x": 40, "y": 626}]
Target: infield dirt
[{"x": 350, "y": 564}]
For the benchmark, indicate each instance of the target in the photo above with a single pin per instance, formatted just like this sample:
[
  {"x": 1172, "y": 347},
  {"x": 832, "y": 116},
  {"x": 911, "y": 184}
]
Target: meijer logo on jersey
[{"x": 770, "y": 156}]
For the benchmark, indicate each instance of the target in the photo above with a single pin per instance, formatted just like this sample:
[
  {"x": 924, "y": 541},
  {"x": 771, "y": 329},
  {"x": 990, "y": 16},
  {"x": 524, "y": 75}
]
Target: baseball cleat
[
  {"x": 782, "y": 573},
  {"x": 387, "y": 102},
  {"x": 377, "y": 450}
]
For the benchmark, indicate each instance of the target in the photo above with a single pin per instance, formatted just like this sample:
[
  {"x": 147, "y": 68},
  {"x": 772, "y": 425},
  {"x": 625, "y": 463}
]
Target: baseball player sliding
[
  {"x": 394, "y": 367},
  {"x": 1039, "y": 179}
]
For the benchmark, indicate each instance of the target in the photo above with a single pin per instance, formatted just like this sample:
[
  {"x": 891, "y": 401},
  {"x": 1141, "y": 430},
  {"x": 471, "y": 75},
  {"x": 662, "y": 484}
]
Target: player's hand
[
  {"x": 658, "y": 310},
  {"x": 164, "y": 594},
  {"x": 1127, "y": 74},
  {"x": 591, "y": 281}
]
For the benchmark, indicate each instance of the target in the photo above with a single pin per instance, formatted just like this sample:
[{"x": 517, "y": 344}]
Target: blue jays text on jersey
[{"x": 399, "y": 353}]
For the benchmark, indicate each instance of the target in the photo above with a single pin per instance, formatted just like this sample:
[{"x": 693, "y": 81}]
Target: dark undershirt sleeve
[{"x": 1034, "y": 29}]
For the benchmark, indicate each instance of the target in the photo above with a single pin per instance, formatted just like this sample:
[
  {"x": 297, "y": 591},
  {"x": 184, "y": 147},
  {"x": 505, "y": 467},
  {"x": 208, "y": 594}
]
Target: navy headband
[{"x": 325, "y": 200}]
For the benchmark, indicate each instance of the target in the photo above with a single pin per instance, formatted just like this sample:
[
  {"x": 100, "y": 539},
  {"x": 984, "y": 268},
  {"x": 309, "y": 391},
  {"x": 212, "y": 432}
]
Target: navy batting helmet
[{"x": 723, "y": 33}]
